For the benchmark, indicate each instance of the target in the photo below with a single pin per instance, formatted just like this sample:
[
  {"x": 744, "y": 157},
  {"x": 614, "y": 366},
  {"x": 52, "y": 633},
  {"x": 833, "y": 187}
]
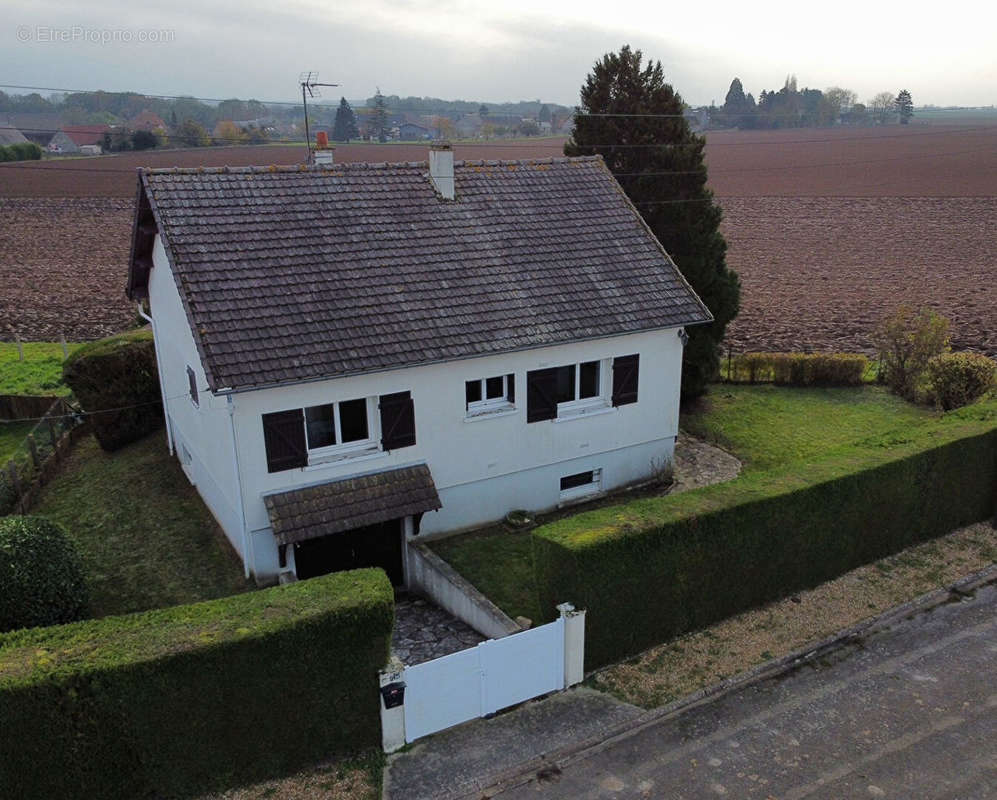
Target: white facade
[{"x": 483, "y": 466}]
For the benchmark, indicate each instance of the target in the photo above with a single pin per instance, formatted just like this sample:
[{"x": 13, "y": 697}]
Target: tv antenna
[{"x": 310, "y": 88}]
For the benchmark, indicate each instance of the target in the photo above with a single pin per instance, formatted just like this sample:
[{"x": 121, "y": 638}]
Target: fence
[{"x": 34, "y": 463}]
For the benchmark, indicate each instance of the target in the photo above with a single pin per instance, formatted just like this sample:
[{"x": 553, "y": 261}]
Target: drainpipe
[
  {"x": 159, "y": 370},
  {"x": 246, "y": 554}
]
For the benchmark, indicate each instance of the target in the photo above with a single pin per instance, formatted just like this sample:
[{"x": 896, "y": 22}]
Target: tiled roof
[
  {"x": 297, "y": 273},
  {"x": 351, "y": 503}
]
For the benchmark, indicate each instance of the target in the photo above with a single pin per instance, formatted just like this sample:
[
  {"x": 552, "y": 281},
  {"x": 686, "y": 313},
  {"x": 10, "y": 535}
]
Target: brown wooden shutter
[
  {"x": 541, "y": 394},
  {"x": 625, "y": 374},
  {"x": 397, "y": 420},
  {"x": 284, "y": 436}
]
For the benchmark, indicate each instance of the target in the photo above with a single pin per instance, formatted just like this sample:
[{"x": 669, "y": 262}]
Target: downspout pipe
[
  {"x": 247, "y": 556},
  {"x": 159, "y": 370}
]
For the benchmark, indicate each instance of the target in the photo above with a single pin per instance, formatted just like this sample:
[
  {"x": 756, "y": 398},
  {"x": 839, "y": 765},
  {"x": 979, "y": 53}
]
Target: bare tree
[{"x": 882, "y": 107}]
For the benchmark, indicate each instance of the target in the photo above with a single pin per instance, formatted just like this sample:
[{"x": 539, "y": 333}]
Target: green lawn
[
  {"x": 769, "y": 426},
  {"x": 39, "y": 373},
  {"x": 765, "y": 426},
  {"x": 12, "y": 435},
  {"x": 499, "y": 564},
  {"x": 145, "y": 536}
]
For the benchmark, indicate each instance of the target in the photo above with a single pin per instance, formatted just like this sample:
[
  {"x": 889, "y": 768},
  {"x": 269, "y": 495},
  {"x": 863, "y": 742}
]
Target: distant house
[
  {"x": 354, "y": 356},
  {"x": 11, "y": 136},
  {"x": 409, "y": 131},
  {"x": 37, "y": 127},
  {"x": 72, "y": 137},
  {"x": 147, "y": 121}
]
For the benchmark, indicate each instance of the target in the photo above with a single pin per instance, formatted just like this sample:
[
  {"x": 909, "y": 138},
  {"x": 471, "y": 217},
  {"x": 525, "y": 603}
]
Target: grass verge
[
  {"x": 144, "y": 534},
  {"x": 39, "y": 373},
  {"x": 357, "y": 778},
  {"x": 696, "y": 660}
]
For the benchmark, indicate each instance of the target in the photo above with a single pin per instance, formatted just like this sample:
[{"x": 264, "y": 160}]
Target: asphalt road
[{"x": 908, "y": 713}]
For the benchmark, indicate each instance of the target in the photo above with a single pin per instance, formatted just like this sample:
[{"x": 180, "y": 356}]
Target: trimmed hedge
[
  {"x": 21, "y": 151},
  {"x": 117, "y": 384},
  {"x": 653, "y": 569},
  {"x": 183, "y": 700},
  {"x": 799, "y": 369},
  {"x": 41, "y": 575}
]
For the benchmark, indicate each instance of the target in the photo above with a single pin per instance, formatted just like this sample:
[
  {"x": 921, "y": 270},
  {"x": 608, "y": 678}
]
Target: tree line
[{"x": 791, "y": 107}]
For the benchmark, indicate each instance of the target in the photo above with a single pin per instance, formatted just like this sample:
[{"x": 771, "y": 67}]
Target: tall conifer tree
[
  {"x": 345, "y": 126},
  {"x": 659, "y": 163}
]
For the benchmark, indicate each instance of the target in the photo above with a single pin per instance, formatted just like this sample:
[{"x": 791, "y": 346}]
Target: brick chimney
[
  {"x": 441, "y": 169},
  {"x": 323, "y": 153}
]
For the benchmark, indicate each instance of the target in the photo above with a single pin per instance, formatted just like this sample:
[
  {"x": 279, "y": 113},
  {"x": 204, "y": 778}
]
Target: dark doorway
[{"x": 373, "y": 546}]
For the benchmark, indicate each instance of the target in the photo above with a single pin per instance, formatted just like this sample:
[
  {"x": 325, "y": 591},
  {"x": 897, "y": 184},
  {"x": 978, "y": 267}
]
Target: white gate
[{"x": 496, "y": 674}]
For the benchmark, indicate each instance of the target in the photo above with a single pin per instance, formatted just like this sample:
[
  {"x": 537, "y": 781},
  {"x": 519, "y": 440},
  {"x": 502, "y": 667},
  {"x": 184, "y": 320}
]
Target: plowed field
[{"x": 829, "y": 230}]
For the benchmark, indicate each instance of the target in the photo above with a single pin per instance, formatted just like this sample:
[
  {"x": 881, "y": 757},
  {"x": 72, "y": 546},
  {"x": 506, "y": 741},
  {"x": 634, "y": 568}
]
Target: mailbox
[{"x": 393, "y": 694}]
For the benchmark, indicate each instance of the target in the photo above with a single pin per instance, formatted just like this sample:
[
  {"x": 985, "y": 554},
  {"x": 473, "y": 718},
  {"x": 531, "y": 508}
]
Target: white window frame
[
  {"x": 342, "y": 450},
  {"x": 495, "y": 404},
  {"x": 588, "y": 405},
  {"x": 585, "y": 490}
]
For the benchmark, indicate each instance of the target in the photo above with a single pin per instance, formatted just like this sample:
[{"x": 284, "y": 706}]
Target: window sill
[
  {"x": 333, "y": 460},
  {"x": 584, "y": 413},
  {"x": 491, "y": 413}
]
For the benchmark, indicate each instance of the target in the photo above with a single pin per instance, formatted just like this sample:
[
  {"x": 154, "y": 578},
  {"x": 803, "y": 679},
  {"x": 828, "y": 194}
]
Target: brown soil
[{"x": 828, "y": 229}]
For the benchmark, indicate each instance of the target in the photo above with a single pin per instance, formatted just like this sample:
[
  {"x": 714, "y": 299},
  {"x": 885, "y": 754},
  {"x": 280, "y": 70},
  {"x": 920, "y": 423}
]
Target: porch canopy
[{"x": 343, "y": 505}]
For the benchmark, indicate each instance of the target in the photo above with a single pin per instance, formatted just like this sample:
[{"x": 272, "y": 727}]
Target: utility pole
[{"x": 309, "y": 88}]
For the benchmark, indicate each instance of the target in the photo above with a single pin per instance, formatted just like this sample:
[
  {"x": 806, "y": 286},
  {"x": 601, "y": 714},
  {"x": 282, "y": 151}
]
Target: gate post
[
  {"x": 574, "y": 644},
  {"x": 392, "y": 695}
]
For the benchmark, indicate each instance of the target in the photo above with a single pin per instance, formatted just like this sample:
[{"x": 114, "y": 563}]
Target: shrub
[
  {"x": 40, "y": 574},
  {"x": 652, "y": 569},
  {"x": 957, "y": 379},
  {"x": 21, "y": 151},
  {"x": 906, "y": 342},
  {"x": 116, "y": 383},
  {"x": 800, "y": 369},
  {"x": 195, "y": 698}
]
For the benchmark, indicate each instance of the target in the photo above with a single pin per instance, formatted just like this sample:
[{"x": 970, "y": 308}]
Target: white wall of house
[
  {"x": 484, "y": 466},
  {"x": 202, "y": 433}
]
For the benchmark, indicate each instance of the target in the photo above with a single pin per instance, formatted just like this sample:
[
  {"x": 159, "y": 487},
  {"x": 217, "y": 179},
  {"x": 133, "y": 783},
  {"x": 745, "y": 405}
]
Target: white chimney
[{"x": 441, "y": 169}]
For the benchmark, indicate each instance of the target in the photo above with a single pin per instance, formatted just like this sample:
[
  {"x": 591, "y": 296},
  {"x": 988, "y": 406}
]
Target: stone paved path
[
  {"x": 424, "y": 632},
  {"x": 700, "y": 464}
]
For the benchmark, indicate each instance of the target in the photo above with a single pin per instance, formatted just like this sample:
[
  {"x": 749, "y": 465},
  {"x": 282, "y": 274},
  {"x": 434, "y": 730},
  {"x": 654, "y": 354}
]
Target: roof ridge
[{"x": 359, "y": 166}]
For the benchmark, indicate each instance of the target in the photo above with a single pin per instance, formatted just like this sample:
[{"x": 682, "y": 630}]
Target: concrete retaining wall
[{"x": 430, "y": 575}]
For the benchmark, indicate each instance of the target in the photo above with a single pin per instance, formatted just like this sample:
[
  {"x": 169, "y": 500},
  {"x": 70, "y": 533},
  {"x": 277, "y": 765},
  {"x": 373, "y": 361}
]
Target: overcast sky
[{"x": 497, "y": 50}]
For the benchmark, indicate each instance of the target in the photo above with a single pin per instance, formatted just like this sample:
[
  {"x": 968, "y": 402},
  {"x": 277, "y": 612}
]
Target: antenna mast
[{"x": 309, "y": 88}]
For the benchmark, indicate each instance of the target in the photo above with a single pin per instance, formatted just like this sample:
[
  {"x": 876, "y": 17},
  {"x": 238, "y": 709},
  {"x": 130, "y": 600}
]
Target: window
[
  {"x": 486, "y": 395},
  {"x": 338, "y": 425},
  {"x": 343, "y": 429},
  {"x": 192, "y": 384},
  {"x": 581, "y": 484},
  {"x": 565, "y": 391}
]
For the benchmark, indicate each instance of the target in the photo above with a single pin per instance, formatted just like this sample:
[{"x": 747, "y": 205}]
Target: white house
[{"x": 352, "y": 355}]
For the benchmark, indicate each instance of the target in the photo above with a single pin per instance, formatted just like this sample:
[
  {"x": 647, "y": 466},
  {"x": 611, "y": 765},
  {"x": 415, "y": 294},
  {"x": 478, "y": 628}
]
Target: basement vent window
[{"x": 581, "y": 484}]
